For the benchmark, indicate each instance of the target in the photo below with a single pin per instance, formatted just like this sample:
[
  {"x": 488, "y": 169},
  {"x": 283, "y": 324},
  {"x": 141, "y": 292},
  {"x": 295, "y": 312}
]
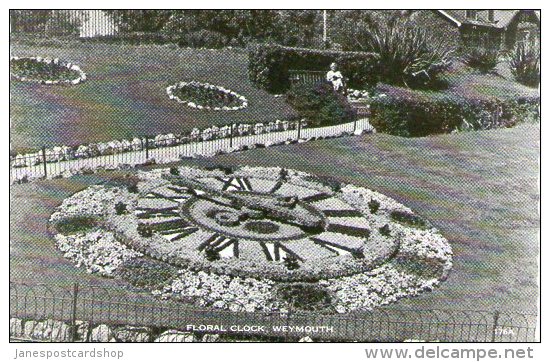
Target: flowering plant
[
  {"x": 206, "y": 96},
  {"x": 45, "y": 70}
]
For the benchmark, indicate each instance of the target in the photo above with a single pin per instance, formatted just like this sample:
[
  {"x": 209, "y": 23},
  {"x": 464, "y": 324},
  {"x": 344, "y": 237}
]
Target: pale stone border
[
  {"x": 173, "y": 88},
  {"x": 81, "y": 78}
]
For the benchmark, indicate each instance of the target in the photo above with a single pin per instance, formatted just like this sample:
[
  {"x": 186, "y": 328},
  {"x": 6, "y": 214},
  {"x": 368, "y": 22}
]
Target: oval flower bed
[
  {"x": 45, "y": 71},
  {"x": 206, "y": 96}
]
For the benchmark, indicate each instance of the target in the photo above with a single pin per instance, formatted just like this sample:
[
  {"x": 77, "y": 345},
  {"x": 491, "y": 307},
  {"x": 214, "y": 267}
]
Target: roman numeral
[
  {"x": 156, "y": 195},
  {"x": 317, "y": 197},
  {"x": 173, "y": 229},
  {"x": 277, "y": 252},
  {"x": 235, "y": 184},
  {"x": 349, "y": 230},
  {"x": 153, "y": 213},
  {"x": 226, "y": 247},
  {"x": 178, "y": 189},
  {"x": 276, "y": 186},
  {"x": 343, "y": 213},
  {"x": 335, "y": 248}
]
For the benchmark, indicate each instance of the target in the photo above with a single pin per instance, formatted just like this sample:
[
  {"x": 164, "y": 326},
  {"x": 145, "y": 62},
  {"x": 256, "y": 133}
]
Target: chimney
[{"x": 491, "y": 16}]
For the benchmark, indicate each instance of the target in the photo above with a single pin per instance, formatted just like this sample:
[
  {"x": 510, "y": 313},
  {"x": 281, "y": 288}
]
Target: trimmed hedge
[
  {"x": 416, "y": 115},
  {"x": 268, "y": 65},
  {"x": 320, "y": 104}
]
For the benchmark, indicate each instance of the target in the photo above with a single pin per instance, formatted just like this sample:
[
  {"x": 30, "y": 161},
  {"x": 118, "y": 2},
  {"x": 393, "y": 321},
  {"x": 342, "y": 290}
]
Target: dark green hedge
[
  {"x": 410, "y": 115},
  {"x": 268, "y": 65},
  {"x": 320, "y": 104}
]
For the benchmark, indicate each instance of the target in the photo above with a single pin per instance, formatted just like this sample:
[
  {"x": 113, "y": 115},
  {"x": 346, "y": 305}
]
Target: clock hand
[{"x": 273, "y": 208}]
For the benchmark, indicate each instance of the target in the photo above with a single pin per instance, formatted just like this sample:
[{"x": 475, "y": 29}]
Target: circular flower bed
[
  {"x": 45, "y": 71},
  {"x": 206, "y": 96},
  {"x": 333, "y": 248}
]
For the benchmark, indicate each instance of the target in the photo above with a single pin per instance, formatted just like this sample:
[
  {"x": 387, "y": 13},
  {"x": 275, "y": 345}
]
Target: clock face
[{"x": 254, "y": 218}]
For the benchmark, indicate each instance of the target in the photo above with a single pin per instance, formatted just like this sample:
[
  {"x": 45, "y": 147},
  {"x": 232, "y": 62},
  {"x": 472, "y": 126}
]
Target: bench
[{"x": 310, "y": 77}]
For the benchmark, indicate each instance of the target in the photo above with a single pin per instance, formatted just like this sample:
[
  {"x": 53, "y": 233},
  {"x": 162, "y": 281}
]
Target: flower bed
[
  {"x": 393, "y": 261},
  {"x": 45, "y": 71},
  {"x": 206, "y": 96}
]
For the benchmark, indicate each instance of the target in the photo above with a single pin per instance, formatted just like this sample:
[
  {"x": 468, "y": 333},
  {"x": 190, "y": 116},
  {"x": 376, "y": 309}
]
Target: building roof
[{"x": 502, "y": 18}]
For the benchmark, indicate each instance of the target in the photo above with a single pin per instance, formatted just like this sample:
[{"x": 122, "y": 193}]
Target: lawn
[
  {"x": 465, "y": 82},
  {"x": 125, "y": 94},
  {"x": 479, "y": 188}
]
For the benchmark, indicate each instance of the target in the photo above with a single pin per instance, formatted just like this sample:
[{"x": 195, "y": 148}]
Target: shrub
[
  {"x": 174, "y": 171},
  {"x": 203, "y": 39},
  {"x": 269, "y": 65},
  {"x": 211, "y": 253},
  {"x": 291, "y": 262},
  {"x": 483, "y": 59},
  {"x": 525, "y": 65},
  {"x": 145, "y": 230},
  {"x": 76, "y": 224},
  {"x": 146, "y": 273},
  {"x": 304, "y": 296},
  {"x": 416, "y": 114},
  {"x": 320, "y": 104},
  {"x": 408, "y": 55},
  {"x": 42, "y": 71},
  {"x": 120, "y": 208},
  {"x": 133, "y": 188},
  {"x": 385, "y": 230},
  {"x": 374, "y": 206}
]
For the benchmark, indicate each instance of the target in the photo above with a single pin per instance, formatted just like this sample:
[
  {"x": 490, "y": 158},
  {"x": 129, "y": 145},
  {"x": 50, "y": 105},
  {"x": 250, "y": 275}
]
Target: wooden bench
[{"x": 310, "y": 77}]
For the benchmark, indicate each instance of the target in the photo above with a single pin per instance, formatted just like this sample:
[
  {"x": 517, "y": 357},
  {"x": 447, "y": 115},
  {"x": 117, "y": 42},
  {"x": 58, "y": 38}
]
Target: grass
[
  {"x": 125, "y": 94},
  {"x": 463, "y": 81},
  {"x": 479, "y": 188}
]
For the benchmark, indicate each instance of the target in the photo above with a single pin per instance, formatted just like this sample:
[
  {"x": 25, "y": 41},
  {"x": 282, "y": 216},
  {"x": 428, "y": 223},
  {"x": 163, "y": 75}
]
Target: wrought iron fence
[
  {"x": 78, "y": 305},
  {"x": 66, "y": 160}
]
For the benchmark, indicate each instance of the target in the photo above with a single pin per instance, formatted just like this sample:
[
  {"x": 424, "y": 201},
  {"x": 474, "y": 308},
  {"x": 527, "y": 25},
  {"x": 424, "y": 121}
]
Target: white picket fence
[{"x": 38, "y": 169}]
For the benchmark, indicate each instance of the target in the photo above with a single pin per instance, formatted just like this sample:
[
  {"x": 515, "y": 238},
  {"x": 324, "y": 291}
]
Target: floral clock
[
  {"x": 266, "y": 228},
  {"x": 259, "y": 221}
]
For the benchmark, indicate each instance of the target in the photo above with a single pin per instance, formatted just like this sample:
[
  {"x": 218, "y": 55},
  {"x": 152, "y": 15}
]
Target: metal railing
[
  {"x": 65, "y": 160},
  {"x": 99, "y": 305},
  {"x": 308, "y": 77}
]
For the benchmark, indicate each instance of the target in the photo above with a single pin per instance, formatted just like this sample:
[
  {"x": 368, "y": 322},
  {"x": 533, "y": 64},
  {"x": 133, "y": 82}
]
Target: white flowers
[
  {"x": 97, "y": 251},
  {"x": 171, "y": 90},
  {"x": 225, "y": 292},
  {"x": 81, "y": 75},
  {"x": 93, "y": 201},
  {"x": 378, "y": 287},
  {"x": 251, "y": 284}
]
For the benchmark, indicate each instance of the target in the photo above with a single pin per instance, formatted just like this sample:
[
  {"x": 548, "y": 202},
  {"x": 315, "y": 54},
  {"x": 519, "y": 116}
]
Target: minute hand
[{"x": 271, "y": 206}]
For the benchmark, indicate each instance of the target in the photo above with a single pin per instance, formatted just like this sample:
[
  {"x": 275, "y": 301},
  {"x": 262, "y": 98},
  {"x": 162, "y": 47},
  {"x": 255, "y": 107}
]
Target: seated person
[{"x": 335, "y": 77}]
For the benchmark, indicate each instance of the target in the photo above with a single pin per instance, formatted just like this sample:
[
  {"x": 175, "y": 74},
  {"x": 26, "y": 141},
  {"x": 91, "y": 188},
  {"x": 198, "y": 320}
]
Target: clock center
[{"x": 248, "y": 221}]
